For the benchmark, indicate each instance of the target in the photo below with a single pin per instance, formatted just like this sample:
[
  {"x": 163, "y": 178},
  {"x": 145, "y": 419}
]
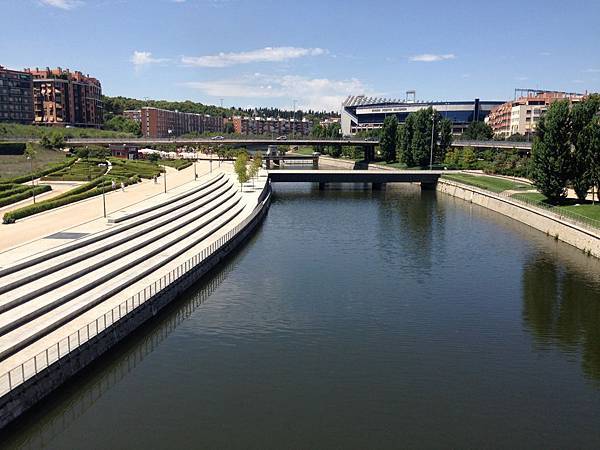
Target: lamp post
[
  {"x": 432, "y": 132},
  {"x": 103, "y": 196},
  {"x": 32, "y": 182},
  {"x": 195, "y": 173},
  {"x": 165, "y": 177},
  {"x": 294, "y": 120}
]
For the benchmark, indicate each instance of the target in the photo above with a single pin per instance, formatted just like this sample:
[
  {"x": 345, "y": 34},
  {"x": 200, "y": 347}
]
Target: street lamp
[
  {"x": 432, "y": 137},
  {"x": 32, "y": 182},
  {"x": 195, "y": 173},
  {"x": 165, "y": 177},
  {"x": 103, "y": 196}
]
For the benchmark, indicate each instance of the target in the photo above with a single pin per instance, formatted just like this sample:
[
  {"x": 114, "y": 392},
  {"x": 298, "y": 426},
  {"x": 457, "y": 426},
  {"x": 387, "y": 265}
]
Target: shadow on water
[
  {"x": 55, "y": 414},
  {"x": 561, "y": 308}
]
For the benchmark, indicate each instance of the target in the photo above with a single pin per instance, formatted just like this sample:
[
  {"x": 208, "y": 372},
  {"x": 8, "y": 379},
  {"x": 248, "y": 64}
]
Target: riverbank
[{"x": 579, "y": 235}]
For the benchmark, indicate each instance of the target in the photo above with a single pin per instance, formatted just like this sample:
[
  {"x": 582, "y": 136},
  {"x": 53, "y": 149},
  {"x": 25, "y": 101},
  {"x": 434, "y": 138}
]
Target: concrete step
[
  {"x": 37, "y": 271},
  {"x": 100, "y": 273},
  {"x": 156, "y": 211},
  {"x": 24, "y": 336},
  {"x": 74, "y": 268}
]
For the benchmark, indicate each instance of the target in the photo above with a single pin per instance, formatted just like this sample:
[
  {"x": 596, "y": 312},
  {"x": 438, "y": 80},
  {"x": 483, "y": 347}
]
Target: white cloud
[
  {"x": 267, "y": 54},
  {"x": 428, "y": 57},
  {"x": 545, "y": 54},
  {"x": 62, "y": 4},
  {"x": 578, "y": 81},
  {"x": 312, "y": 93},
  {"x": 592, "y": 71},
  {"x": 140, "y": 59}
]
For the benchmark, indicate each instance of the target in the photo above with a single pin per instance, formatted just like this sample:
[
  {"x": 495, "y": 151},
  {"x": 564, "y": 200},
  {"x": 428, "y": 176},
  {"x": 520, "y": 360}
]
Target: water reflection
[{"x": 561, "y": 307}]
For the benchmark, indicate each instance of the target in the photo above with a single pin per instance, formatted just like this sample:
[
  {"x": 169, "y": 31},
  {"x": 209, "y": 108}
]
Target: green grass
[
  {"x": 13, "y": 130},
  {"x": 16, "y": 165},
  {"x": 532, "y": 197},
  {"x": 304, "y": 150},
  {"x": 486, "y": 182},
  {"x": 573, "y": 208}
]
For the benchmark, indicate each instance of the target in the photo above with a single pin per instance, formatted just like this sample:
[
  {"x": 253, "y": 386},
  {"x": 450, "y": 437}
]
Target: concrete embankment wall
[
  {"x": 584, "y": 239},
  {"x": 26, "y": 395}
]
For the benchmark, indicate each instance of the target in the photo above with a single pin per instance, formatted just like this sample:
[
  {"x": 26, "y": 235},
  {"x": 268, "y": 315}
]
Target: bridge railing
[{"x": 64, "y": 347}]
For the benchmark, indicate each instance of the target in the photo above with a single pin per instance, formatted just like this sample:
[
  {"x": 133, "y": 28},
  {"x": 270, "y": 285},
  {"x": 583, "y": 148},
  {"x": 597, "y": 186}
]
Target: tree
[
  {"x": 445, "y": 139},
  {"x": 255, "y": 166},
  {"x": 478, "y": 131},
  {"x": 467, "y": 158},
  {"x": 582, "y": 115},
  {"x": 589, "y": 139},
  {"x": 124, "y": 125},
  {"x": 241, "y": 169},
  {"x": 405, "y": 136},
  {"x": 153, "y": 157},
  {"x": 421, "y": 137},
  {"x": 229, "y": 128},
  {"x": 551, "y": 152},
  {"x": 452, "y": 158},
  {"x": 389, "y": 136}
]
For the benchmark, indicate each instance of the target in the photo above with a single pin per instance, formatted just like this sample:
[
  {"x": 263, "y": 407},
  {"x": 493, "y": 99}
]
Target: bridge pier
[
  {"x": 428, "y": 186},
  {"x": 315, "y": 163},
  {"x": 379, "y": 186}
]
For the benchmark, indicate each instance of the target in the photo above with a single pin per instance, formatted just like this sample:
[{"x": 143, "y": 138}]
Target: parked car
[
  {"x": 282, "y": 138},
  {"x": 217, "y": 138}
]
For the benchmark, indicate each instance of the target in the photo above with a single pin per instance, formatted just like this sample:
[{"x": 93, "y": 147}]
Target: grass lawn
[
  {"x": 304, "y": 150},
  {"x": 486, "y": 182},
  {"x": 587, "y": 212},
  {"x": 17, "y": 165},
  {"x": 127, "y": 168}
]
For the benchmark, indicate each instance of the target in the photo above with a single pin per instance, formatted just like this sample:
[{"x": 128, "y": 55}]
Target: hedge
[
  {"x": 39, "y": 173},
  {"x": 24, "y": 195},
  {"x": 63, "y": 199},
  {"x": 12, "y": 189}
]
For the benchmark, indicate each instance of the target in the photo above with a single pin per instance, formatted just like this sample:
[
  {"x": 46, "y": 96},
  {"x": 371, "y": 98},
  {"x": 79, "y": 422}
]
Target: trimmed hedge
[
  {"x": 24, "y": 195},
  {"x": 80, "y": 193},
  {"x": 12, "y": 189},
  {"x": 39, "y": 173}
]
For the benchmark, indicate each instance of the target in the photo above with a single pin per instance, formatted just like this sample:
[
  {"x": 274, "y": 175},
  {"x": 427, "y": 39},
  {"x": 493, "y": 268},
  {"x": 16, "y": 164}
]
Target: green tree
[
  {"x": 124, "y": 125},
  {"x": 467, "y": 158},
  {"x": 405, "y": 137},
  {"x": 551, "y": 152},
  {"x": 389, "y": 136},
  {"x": 452, "y": 158},
  {"x": 582, "y": 115},
  {"x": 229, "y": 128},
  {"x": 422, "y": 134},
  {"x": 445, "y": 139},
  {"x": 241, "y": 169},
  {"x": 478, "y": 131},
  {"x": 589, "y": 139}
]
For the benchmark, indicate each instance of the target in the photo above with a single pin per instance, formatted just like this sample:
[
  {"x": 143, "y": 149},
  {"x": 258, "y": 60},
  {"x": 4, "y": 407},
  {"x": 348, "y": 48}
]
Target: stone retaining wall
[{"x": 583, "y": 238}]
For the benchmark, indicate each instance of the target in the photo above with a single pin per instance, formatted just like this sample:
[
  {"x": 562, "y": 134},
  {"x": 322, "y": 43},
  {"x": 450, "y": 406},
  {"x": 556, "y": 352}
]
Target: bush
[{"x": 24, "y": 194}]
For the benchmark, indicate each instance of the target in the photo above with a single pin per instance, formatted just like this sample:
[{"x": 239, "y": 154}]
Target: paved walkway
[{"x": 63, "y": 218}]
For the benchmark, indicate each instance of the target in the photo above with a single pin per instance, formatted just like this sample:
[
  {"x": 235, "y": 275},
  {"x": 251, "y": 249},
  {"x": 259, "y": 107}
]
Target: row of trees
[
  {"x": 328, "y": 131},
  {"x": 421, "y": 140},
  {"x": 244, "y": 170},
  {"x": 566, "y": 150}
]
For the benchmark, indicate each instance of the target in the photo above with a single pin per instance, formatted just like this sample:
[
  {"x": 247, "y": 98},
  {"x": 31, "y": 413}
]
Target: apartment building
[
  {"x": 162, "y": 123},
  {"x": 133, "y": 114},
  {"x": 271, "y": 125},
  {"x": 16, "y": 96},
  {"x": 62, "y": 97},
  {"x": 522, "y": 115}
]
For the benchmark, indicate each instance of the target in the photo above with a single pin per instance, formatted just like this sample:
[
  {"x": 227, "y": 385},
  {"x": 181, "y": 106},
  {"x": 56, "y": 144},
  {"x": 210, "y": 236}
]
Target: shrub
[{"x": 24, "y": 194}]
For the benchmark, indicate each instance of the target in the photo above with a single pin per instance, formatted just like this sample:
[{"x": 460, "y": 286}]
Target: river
[{"x": 356, "y": 319}]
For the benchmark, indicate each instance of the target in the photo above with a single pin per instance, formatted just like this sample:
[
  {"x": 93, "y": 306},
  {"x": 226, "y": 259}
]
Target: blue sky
[{"x": 272, "y": 52}]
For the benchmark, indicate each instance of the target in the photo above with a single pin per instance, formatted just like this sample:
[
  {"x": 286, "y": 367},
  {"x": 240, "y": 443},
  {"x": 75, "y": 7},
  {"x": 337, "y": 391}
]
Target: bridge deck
[{"x": 355, "y": 176}]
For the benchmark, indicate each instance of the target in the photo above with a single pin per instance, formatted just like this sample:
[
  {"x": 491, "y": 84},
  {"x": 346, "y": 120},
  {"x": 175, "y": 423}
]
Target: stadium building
[{"x": 361, "y": 113}]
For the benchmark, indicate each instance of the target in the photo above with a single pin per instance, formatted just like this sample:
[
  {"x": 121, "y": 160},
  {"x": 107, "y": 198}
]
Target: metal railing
[{"x": 23, "y": 372}]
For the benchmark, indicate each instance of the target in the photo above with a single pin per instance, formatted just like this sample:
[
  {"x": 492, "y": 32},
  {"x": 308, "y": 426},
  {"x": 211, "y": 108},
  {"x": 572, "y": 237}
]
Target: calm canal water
[{"x": 357, "y": 319}]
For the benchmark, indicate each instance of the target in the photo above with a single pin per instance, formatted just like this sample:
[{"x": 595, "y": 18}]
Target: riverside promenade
[{"x": 75, "y": 289}]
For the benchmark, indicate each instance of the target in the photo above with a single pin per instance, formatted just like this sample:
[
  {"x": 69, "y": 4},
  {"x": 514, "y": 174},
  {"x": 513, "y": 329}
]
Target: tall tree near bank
[
  {"x": 405, "y": 137},
  {"x": 551, "y": 152},
  {"x": 445, "y": 139},
  {"x": 421, "y": 138},
  {"x": 589, "y": 139},
  {"x": 241, "y": 169},
  {"x": 582, "y": 115},
  {"x": 478, "y": 131},
  {"x": 389, "y": 134}
]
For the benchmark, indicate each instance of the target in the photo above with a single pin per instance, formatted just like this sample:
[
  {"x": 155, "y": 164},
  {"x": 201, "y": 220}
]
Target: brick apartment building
[
  {"x": 161, "y": 123},
  {"x": 271, "y": 125},
  {"x": 523, "y": 114},
  {"x": 62, "y": 97},
  {"x": 16, "y": 96}
]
